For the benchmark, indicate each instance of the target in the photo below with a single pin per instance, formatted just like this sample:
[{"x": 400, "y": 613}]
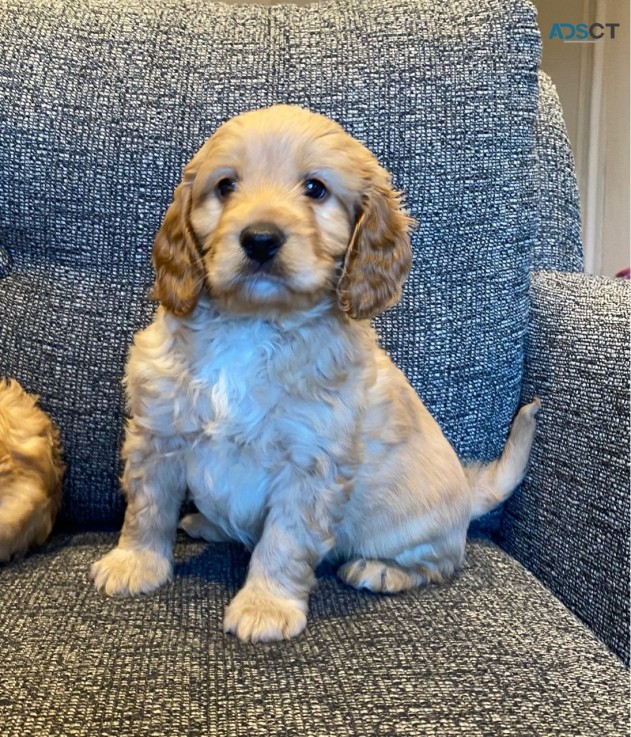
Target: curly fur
[
  {"x": 31, "y": 472},
  {"x": 262, "y": 390}
]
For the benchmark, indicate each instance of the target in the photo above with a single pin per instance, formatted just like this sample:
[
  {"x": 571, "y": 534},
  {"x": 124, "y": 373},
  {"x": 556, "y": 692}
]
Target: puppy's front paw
[
  {"x": 127, "y": 572},
  {"x": 255, "y": 615}
]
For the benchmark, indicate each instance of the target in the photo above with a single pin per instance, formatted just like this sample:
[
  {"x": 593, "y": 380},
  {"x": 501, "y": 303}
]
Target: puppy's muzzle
[{"x": 261, "y": 241}]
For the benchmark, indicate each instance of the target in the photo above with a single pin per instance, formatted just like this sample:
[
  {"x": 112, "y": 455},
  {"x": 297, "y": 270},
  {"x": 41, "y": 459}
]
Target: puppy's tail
[{"x": 493, "y": 483}]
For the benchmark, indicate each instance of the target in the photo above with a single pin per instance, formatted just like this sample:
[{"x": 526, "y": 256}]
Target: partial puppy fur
[
  {"x": 260, "y": 386},
  {"x": 31, "y": 472}
]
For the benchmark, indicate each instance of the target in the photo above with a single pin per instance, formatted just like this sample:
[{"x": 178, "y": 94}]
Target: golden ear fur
[
  {"x": 176, "y": 260},
  {"x": 379, "y": 257}
]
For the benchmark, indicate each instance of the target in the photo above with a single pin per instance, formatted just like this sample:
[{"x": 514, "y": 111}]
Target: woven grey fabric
[
  {"x": 5, "y": 263},
  {"x": 65, "y": 333},
  {"x": 102, "y": 103},
  {"x": 490, "y": 653},
  {"x": 569, "y": 522},
  {"x": 558, "y": 241}
]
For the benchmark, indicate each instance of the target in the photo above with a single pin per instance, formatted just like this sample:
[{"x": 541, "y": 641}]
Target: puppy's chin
[
  {"x": 263, "y": 288},
  {"x": 267, "y": 294}
]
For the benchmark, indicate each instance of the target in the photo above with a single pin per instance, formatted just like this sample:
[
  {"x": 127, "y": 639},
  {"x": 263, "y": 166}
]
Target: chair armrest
[{"x": 569, "y": 521}]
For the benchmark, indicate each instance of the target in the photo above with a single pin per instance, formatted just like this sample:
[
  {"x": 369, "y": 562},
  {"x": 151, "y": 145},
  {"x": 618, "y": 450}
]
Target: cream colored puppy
[{"x": 260, "y": 386}]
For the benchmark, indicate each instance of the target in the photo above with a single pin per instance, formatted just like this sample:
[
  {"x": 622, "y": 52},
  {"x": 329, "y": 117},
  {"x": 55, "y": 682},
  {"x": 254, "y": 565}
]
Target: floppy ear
[
  {"x": 379, "y": 257},
  {"x": 176, "y": 258}
]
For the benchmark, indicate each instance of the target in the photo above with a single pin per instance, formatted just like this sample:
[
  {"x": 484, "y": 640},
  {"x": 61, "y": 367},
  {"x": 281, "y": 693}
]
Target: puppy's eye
[
  {"x": 314, "y": 189},
  {"x": 225, "y": 187}
]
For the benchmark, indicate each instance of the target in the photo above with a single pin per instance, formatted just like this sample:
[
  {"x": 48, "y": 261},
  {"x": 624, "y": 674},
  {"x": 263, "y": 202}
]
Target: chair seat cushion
[{"x": 491, "y": 652}]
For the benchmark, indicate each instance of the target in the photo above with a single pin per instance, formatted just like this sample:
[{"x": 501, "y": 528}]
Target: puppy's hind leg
[
  {"x": 379, "y": 576},
  {"x": 154, "y": 484},
  {"x": 429, "y": 562},
  {"x": 198, "y": 526}
]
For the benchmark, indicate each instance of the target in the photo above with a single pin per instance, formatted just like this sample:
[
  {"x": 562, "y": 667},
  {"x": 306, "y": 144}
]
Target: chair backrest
[
  {"x": 102, "y": 105},
  {"x": 558, "y": 241}
]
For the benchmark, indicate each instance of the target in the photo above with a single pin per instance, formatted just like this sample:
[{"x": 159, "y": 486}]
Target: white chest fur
[{"x": 246, "y": 402}]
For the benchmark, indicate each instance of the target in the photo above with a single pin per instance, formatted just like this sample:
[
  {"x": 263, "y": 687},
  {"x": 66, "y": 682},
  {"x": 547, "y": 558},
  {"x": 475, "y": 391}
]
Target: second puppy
[{"x": 31, "y": 472}]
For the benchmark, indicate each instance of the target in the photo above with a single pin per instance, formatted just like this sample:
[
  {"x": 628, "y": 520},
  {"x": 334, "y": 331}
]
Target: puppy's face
[{"x": 280, "y": 210}]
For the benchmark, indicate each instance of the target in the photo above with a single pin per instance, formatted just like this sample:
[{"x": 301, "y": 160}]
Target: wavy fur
[
  {"x": 31, "y": 472},
  {"x": 262, "y": 389}
]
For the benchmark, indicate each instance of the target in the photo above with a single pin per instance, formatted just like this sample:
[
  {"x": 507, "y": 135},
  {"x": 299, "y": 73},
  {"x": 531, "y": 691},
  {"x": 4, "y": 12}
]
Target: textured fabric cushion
[
  {"x": 65, "y": 335},
  {"x": 558, "y": 241},
  {"x": 569, "y": 523},
  {"x": 103, "y": 102},
  {"x": 490, "y": 653}
]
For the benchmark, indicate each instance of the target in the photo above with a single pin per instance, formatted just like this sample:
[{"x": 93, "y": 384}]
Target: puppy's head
[{"x": 281, "y": 209}]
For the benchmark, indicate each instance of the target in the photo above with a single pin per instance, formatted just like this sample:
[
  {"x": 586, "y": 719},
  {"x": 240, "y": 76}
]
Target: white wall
[
  {"x": 593, "y": 84},
  {"x": 615, "y": 251}
]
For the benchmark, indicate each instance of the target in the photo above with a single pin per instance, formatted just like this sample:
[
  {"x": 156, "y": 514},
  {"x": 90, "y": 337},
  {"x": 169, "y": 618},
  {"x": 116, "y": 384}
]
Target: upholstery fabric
[
  {"x": 491, "y": 653},
  {"x": 103, "y": 101},
  {"x": 569, "y": 523},
  {"x": 558, "y": 241},
  {"x": 5, "y": 263},
  {"x": 101, "y": 104}
]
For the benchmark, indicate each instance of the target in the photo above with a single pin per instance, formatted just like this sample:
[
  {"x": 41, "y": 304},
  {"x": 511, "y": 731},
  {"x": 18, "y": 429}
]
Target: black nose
[{"x": 261, "y": 241}]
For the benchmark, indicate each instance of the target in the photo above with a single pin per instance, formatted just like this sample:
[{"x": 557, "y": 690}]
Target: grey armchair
[{"x": 101, "y": 104}]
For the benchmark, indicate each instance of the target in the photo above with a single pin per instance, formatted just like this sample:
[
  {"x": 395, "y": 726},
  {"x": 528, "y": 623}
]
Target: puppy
[
  {"x": 260, "y": 386},
  {"x": 31, "y": 472}
]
